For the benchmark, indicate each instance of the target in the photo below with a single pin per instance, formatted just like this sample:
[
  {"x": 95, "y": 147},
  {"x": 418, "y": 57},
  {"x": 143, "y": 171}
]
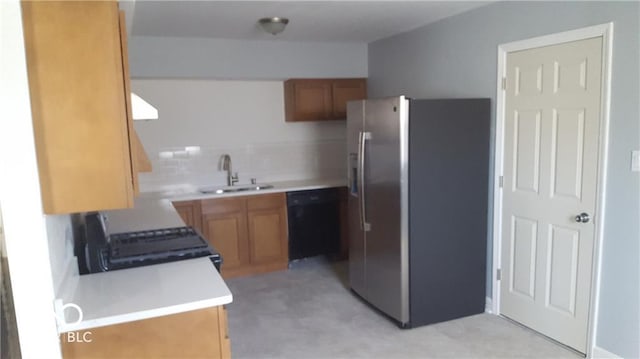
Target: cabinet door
[
  {"x": 224, "y": 224},
  {"x": 307, "y": 100},
  {"x": 345, "y": 90},
  {"x": 139, "y": 158},
  {"x": 190, "y": 213},
  {"x": 267, "y": 219},
  {"x": 76, "y": 83},
  {"x": 131, "y": 135}
]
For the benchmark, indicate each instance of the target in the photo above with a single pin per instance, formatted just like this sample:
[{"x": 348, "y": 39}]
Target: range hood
[{"x": 141, "y": 109}]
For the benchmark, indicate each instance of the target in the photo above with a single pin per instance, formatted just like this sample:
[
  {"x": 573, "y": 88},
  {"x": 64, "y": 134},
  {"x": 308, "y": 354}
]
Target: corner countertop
[
  {"x": 140, "y": 293},
  {"x": 154, "y": 210},
  {"x": 151, "y": 291}
]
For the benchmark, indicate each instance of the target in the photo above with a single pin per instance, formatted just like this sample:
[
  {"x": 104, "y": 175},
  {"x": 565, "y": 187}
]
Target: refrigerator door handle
[
  {"x": 362, "y": 142},
  {"x": 352, "y": 173},
  {"x": 359, "y": 180}
]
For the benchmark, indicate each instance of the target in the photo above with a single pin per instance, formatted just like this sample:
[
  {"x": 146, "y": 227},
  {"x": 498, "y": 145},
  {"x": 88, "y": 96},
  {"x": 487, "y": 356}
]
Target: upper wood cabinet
[
  {"x": 344, "y": 91},
  {"x": 79, "y": 86},
  {"x": 321, "y": 99}
]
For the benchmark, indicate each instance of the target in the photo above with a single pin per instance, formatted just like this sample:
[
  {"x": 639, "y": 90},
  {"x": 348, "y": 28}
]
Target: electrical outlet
[{"x": 635, "y": 161}]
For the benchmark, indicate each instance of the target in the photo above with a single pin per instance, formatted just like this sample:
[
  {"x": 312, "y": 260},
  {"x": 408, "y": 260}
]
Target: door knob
[{"x": 583, "y": 217}]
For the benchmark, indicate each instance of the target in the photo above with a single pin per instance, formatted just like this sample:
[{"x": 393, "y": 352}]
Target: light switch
[{"x": 635, "y": 161}]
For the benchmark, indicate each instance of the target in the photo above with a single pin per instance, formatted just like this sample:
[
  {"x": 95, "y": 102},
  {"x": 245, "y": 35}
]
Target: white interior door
[{"x": 552, "y": 119}]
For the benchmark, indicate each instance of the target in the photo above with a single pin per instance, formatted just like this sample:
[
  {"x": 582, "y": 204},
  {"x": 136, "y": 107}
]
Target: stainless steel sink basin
[{"x": 232, "y": 189}]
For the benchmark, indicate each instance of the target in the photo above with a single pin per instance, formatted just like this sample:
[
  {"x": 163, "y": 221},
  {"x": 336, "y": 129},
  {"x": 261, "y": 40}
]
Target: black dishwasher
[{"x": 314, "y": 226}]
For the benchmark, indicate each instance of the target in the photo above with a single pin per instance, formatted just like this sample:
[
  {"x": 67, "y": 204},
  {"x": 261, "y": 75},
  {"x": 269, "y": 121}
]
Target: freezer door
[
  {"x": 385, "y": 194},
  {"x": 357, "y": 260}
]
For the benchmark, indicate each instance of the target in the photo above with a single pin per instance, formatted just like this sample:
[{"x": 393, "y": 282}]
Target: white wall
[
  {"x": 60, "y": 239},
  {"x": 9, "y": 345},
  {"x": 25, "y": 229},
  {"x": 170, "y": 57},
  {"x": 457, "y": 57},
  {"x": 242, "y": 118}
]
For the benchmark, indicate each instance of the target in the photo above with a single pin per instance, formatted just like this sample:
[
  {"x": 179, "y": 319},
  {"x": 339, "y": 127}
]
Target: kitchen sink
[{"x": 233, "y": 189}]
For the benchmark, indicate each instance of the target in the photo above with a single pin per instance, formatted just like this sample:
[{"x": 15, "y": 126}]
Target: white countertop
[
  {"x": 153, "y": 210},
  {"x": 148, "y": 213},
  {"x": 151, "y": 291},
  {"x": 285, "y": 186},
  {"x": 140, "y": 293}
]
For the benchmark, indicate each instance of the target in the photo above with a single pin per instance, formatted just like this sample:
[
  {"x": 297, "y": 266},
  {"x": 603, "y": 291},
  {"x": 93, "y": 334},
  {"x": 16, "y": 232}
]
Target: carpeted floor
[{"x": 309, "y": 312}]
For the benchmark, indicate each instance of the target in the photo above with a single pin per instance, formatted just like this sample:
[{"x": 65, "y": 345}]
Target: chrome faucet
[{"x": 226, "y": 166}]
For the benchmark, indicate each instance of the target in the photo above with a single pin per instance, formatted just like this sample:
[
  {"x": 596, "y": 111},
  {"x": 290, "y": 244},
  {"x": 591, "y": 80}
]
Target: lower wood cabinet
[
  {"x": 250, "y": 232},
  {"x": 190, "y": 213},
  {"x": 224, "y": 224},
  {"x": 200, "y": 333},
  {"x": 268, "y": 234}
]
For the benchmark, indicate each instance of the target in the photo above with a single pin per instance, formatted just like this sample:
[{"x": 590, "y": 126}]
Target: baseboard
[
  {"x": 599, "y": 353},
  {"x": 488, "y": 305}
]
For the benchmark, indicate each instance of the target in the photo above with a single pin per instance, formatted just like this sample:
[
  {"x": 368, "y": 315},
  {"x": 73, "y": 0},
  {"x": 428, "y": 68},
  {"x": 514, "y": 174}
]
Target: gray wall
[
  {"x": 457, "y": 57},
  {"x": 170, "y": 57}
]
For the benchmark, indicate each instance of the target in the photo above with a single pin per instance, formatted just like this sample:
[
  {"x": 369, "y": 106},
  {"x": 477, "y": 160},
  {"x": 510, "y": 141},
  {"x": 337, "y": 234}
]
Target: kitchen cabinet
[
  {"x": 79, "y": 87},
  {"x": 345, "y": 90},
  {"x": 190, "y": 213},
  {"x": 139, "y": 159},
  {"x": 224, "y": 225},
  {"x": 321, "y": 99},
  {"x": 250, "y": 232},
  {"x": 200, "y": 333},
  {"x": 267, "y": 221}
]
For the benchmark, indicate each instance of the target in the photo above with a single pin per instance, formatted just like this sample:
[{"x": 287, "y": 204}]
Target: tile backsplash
[
  {"x": 201, "y": 120},
  {"x": 194, "y": 165}
]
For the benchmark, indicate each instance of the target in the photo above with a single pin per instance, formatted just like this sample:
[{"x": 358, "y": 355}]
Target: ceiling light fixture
[{"x": 273, "y": 25}]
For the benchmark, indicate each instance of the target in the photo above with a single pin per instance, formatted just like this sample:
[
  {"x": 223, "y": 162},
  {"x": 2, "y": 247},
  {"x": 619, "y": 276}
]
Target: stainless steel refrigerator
[{"x": 418, "y": 202}]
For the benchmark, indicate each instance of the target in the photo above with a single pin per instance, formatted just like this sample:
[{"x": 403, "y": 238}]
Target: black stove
[
  {"x": 134, "y": 249},
  {"x": 157, "y": 246}
]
